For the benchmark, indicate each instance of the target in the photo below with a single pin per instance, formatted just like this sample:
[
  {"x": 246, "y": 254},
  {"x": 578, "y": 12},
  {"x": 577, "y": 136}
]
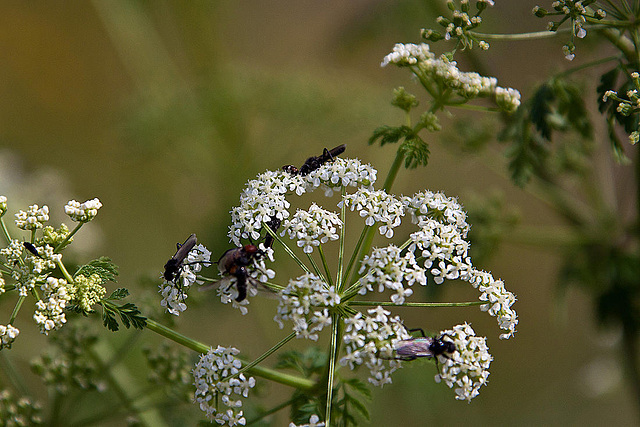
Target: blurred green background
[{"x": 164, "y": 109}]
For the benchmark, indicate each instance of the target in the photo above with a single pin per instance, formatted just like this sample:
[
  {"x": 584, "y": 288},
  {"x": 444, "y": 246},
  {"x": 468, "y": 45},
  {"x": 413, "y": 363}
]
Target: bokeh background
[{"x": 164, "y": 109}]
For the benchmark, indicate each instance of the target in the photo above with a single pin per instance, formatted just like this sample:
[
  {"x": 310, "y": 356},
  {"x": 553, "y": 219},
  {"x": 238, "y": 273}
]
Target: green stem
[
  {"x": 343, "y": 218},
  {"x": 354, "y": 256},
  {"x": 64, "y": 242},
  {"x": 325, "y": 265},
  {"x": 335, "y": 322},
  {"x": 270, "y": 374},
  {"x": 415, "y": 304},
  {"x": 272, "y": 411},
  {"x": 286, "y": 248},
  {"x": 268, "y": 353},
  {"x": 521, "y": 36},
  {"x": 64, "y": 271},
  {"x": 5, "y": 232},
  {"x": 16, "y": 309},
  {"x": 316, "y": 268},
  {"x": 587, "y": 65}
]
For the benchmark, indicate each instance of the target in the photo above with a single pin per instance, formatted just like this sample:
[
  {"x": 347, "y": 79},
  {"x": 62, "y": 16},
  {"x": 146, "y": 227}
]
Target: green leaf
[
  {"x": 102, "y": 266},
  {"x": 358, "y": 406},
  {"x": 359, "y": 386},
  {"x": 119, "y": 294},
  {"x": 416, "y": 152},
  {"x": 390, "y": 134},
  {"x": 128, "y": 313}
]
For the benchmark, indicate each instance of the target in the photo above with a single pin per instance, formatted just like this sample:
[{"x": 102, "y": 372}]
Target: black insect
[
  {"x": 313, "y": 163},
  {"x": 273, "y": 224},
  {"x": 173, "y": 267},
  {"x": 234, "y": 262},
  {"x": 28, "y": 246},
  {"x": 413, "y": 348}
]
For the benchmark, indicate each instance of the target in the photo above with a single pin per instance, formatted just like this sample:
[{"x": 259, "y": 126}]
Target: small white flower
[
  {"x": 467, "y": 368},
  {"x": 8, "y": 335},
  {"x": 366, "y": 339},
  {"x": 305, "y": 302},
  {"x": 215, "y": 376},
  {"x": 332, "y": 176},
  {"x": 3, "y": 205},
  {"x": 376, "y": 206},
  {"x": 33, "y": 218},
  {"x": 82, "y": 212},
  {"x": 313, "y": 227},
  {"x": 388, "y": 269}
]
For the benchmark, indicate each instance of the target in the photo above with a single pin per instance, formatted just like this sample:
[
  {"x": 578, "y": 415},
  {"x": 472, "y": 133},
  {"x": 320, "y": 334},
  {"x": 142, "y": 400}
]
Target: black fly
[
  {"x": 313, "y": 163},
  {"x": 234, "y": 262},
  {"x": 173, "y": 267},
  {"x": 413, "y": 348},
  {"x": 28, "y": 246}
]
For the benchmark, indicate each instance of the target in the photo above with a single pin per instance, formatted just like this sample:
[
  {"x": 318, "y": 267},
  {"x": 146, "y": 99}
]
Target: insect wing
[
  {"x": 185, "y": 248},
  {"x": 413, "y": 348}
]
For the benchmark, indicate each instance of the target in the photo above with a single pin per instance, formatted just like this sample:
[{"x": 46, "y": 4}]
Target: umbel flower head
[
  {"x": 435, "y": 251},
  {"x": 31, "y": 267}
]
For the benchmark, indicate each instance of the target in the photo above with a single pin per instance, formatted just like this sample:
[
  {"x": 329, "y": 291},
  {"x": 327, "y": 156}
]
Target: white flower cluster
[
  {"x": 22, "y": 273},
  {"x": 467, "y": 368},
  {"x": 332, "y": 176},
  {"x": 314, "y": 421},
  {"x": 306, "y": 301},
  {"x": 3, "y": 205},
  {"x": 407, "y": 54},
  {"x": 370, "y": 340},
  {"x": 8, "y": 335},
  {"x": 263, "y": 199},
  {"x": 174, "y": 294},
  {"x": 387, "y": 268},
  {"x": 312, "y": 227},
  {"x": 33, "y": 218},
  {"x": 377, "y": 206},
  {"x": 84, "y": 212},
  {"x": 499, "y": 301},
  {"x": 444, "y": 72},
  {"x": 19, "y": 410},
  {"x": 429, "y": 205},
  {"x": 216, "y": 380},
  {"x": 507, "y": 99},
  {"x": 442, "y": 245},
  {"x": 45, "y": 262},
  {"x": 49, "y": 314}
]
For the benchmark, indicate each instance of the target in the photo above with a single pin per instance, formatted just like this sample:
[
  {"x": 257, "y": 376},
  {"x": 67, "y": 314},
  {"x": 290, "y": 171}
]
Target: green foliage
[
  {"x": 128, "y": 313},
  {"x": 631, "y": 122},
  {"x": 556, "y": 107},
  {"x": 414, "y": 149},
  {"x": 103, "y": 267}
]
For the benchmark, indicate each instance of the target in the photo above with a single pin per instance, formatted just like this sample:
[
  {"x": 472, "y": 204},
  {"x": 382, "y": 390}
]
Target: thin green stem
[
  {"x": 325, "y": 265},
  {"x": 343, "y": 218},
  {"x": 16, "y": 309},
  {"x": 268, "y": 353},
  {"x": 64, "y": 271},
  {"x": 279, "y": 377},
  {"x": 286, "y": 248},
  {"x": 316, "y": 269},
  {"x": 354, "y": 255},
  {"x": 272, "y": 411},
  {"x": 415, "y": 304},
  {"x": 66, "y": 240},
  {"x": 520, "y": 36},
  {"x": 5, "y": 232},
  {"x": 335, "y": 322}
]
